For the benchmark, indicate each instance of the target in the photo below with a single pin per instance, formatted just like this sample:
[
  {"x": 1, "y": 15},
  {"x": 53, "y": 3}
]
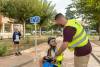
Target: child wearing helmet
[{"x": 51, "y": 53}]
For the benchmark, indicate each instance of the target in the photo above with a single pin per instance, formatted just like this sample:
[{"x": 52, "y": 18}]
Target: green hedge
[{"x": 3, "y": 50}]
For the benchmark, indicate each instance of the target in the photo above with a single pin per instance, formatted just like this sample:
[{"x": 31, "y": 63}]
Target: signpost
[{"x": 35, "y": 20}]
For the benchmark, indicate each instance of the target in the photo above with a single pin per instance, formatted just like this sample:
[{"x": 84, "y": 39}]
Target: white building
[{"x": 7, "y": 27}]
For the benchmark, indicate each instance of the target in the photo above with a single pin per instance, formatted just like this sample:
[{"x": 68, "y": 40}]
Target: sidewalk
[
  {"x": 67, "y": 62},
  {"x": 27, "y": 59},
  {"x": 14, "y": 61},
  {"x": 96, "y": 52}
]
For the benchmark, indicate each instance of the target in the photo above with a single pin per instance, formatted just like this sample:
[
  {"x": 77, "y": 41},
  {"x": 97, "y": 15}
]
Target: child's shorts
[{"x": 16, "y": 42}]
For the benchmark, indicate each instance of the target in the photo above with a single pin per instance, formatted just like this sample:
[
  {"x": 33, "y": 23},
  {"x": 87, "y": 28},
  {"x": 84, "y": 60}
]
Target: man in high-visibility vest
[{"x": 74, "y": 38}]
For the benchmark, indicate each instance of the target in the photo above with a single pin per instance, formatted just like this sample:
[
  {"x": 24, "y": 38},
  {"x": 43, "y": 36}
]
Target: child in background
[{"x": 16, "y": 40}]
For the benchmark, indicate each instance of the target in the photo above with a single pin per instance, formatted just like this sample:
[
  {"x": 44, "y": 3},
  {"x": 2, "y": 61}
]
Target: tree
[
  {"x": 89, "y": 9},
  {"x": 69, "y": 12},
  {"x": 47, "y": 14},
  {"x": 23, "y": 9},
  {"x": 29, "y": 27},
  {"x": 2, "y": 2}
]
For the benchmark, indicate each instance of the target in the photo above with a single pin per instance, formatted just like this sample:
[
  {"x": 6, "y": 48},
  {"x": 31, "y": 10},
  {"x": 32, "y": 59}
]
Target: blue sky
[{"x": 61, "y": 5}]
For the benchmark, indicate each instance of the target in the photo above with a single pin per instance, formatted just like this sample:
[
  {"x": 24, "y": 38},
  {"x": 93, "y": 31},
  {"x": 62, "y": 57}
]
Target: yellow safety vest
[
  {"x": 80, "y": 39},
  {"x": 59, "y": 58}
]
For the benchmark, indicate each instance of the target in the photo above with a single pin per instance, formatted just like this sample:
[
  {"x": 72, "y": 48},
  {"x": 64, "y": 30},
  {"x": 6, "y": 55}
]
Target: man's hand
[
  {"x": 47, "y": 57},
  {"x": 61, "y": 49}
]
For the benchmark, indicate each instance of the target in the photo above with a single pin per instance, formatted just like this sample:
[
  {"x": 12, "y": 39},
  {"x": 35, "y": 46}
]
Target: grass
[{"x": 25, "y": 43}]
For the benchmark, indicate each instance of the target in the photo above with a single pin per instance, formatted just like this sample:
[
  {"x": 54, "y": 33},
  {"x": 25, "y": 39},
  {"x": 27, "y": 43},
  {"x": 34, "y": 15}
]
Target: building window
[{"x": 7, "y": 28}]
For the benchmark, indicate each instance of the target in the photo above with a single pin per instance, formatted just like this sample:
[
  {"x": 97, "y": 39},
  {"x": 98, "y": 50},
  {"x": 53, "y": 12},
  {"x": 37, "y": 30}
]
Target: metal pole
[{"x": 36, "y": 41}]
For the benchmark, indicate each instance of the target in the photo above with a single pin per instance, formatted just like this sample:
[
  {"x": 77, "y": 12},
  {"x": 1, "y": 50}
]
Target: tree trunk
[
  {"x": 62, "y": 31},
  {"x": 99, "y": 36},
  {"x": 98, "y": 29},
  {"x": 40, "y": 31},
  {"x": 1, "y": 25},
  {"x": 24, "y": 30},
  {"x": 52, "y": 32}
]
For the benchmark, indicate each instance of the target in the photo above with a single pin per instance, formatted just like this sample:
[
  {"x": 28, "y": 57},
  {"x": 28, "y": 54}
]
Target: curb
[{"x": 96, "y": 58}]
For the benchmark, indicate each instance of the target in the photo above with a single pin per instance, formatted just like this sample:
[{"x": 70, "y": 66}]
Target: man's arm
[
  {"x": 68, "y": 34},
  {"x": 62, "y": 48}
]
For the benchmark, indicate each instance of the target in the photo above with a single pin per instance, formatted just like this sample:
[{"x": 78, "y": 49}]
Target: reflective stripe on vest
[
  {"x": 79, "y": 42},
  {"x": 80, "y": 39},
  {"x": 79, "y": 35}
]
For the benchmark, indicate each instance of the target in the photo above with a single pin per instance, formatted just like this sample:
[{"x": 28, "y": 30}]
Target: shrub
[{"x": 3, "y": 50}]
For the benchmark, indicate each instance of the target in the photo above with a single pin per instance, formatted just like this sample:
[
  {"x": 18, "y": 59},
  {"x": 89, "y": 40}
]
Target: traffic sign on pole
[{"x": 35, "y": 20}]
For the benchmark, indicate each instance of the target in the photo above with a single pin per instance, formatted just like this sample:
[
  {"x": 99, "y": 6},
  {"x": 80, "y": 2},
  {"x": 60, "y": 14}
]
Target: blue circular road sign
[{"x": 35, "y": 19}]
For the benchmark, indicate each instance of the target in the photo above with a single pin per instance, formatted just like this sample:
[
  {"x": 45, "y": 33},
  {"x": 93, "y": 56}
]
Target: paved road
[
  {"x": 69, "y": 60},
  {"x": 11, "y": 61}
]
